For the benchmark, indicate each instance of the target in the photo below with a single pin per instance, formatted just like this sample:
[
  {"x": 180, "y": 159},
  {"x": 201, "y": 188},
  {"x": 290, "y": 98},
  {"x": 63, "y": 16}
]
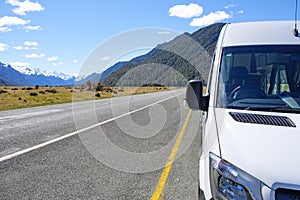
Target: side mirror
[{"x": 194, "y": 96}]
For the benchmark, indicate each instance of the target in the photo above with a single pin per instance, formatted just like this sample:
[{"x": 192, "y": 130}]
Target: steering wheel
[{"x": 244, "y": 91}]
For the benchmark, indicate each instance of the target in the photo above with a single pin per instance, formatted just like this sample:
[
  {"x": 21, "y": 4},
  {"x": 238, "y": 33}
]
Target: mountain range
[
  {"x": 186, "y": 57},
  {"x": 173, "y": 63},
  {"x": 23, "y": 76}
]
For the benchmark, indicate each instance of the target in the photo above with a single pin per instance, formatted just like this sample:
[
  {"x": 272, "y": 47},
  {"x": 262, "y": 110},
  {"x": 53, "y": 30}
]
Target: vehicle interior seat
[
  {"x": 241, "y": 84},
  {"x": 237, "y": 77}
]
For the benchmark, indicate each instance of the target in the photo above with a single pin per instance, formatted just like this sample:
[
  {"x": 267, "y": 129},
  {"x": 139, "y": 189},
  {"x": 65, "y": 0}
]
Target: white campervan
[{"x": 251, "y": 114}]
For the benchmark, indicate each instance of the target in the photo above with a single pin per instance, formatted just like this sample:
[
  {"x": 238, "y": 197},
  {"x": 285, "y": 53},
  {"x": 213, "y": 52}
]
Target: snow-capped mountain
[
  {"x": 37, "y": 71},
  {"x": 25, "y": 76}
]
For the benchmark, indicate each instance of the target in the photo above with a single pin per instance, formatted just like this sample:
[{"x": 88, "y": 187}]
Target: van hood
[{"x": 268, "y": 152}]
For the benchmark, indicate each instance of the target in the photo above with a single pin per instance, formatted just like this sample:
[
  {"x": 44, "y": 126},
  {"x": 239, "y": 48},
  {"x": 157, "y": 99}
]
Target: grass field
[{"x": 23, "y": 97}]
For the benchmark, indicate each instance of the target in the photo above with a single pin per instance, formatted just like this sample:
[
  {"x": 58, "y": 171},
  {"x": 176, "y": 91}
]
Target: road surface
[{"x": 106, "y": 149}]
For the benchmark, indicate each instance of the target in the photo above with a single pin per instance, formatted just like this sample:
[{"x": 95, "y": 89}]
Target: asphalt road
[{"x": 107, "y": 149}]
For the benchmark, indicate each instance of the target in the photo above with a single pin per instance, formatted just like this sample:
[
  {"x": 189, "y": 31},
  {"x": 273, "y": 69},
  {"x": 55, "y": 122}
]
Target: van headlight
[{"x": 229, "y": 182}]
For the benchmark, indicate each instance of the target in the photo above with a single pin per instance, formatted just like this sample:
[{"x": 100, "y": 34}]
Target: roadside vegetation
[{"x": 14, "y": 97}]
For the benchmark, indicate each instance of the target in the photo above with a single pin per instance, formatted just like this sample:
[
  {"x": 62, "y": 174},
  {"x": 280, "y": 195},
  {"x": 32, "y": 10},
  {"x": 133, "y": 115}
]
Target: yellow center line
[{"x": 164, "y": 175}]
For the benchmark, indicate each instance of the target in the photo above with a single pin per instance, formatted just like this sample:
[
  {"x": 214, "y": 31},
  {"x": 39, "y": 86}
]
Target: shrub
[
  {"x": 29, "y": 88},
  {"x": 97, "y": 94},
  {"x": 42, "y": 92},
  {"x": 37, "y": 87},
  {"x": 99, "y": 87},
  {"x": 51, "y": 90},
  {"x": 14, "y": 89},
  {"x": 33, "y": 94},
  {"x": 3, "y": 91},
  {"x": 108, "y": 90}
]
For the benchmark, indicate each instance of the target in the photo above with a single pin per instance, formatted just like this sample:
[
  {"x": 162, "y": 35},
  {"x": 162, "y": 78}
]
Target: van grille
[
  {"x": 262, "y": 119},
  {"x": 287, "y": 194}
]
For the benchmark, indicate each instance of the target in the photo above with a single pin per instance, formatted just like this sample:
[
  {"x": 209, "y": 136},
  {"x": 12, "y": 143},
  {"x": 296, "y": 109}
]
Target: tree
[
  {"x": 89, "y": 85},
  {"x": 99, "y": 87}
]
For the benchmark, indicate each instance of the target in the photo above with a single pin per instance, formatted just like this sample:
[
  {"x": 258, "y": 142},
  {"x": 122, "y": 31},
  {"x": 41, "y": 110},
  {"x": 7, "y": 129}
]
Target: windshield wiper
[
  {"x": 268, "y": 109},
  {"x": 275, "y": 109}
]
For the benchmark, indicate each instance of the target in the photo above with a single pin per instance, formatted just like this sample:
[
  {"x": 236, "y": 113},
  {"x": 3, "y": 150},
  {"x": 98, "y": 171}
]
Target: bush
[
  {"x": 97, "y": 95},
  {"x": 99, "y": 87},
  {"x": 29, "y": 88},
  {"x": 42, "y": 92},
  {"x": 33, "y": 94},
  {"x": 108, "y": 90},
  {"x": 3, "y": 91},
  {"x": 51, "y": 91}
]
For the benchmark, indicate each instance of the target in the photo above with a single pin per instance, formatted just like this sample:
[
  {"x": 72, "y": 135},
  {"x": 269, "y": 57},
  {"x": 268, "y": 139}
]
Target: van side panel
[{"x": 210, "y": 142}]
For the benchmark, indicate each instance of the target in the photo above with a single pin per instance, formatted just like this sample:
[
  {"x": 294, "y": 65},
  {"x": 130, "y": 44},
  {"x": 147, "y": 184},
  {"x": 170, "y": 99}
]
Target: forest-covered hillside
[{"x": 186, "y": 57}]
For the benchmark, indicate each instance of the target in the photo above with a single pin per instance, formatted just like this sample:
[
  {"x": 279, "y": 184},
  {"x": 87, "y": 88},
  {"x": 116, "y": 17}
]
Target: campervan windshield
[{"x": 263, "y": 78}]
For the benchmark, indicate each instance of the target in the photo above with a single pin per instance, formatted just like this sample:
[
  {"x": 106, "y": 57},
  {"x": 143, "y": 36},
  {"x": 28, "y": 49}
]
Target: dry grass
[
  {"x": 23, "y": 97},
  {"x": 125, "y": 91}
]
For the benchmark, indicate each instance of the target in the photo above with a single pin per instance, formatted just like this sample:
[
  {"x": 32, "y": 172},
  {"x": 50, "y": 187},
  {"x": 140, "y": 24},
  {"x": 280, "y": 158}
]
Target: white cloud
[
  {"x": 75, "y": 61},
  {"x": 18, "y": 48},
  {"x": 35, "y": 55},
  {"x": 20, "y": 64},
  {"x": 5, "y": 29},
  {"x": 25, "y": 6},
  {"x": 241, "y": 12},
  {"x": 3, "y": 46},
  {"x": 106, "y": 58},
  {"x": 57, "y": 64},
  {"x": 186, "y": 11},
  {"x": 31, "y": 43},
  {"x": 28, "y": 45},
  {"x": 10, "y": 21},
  {"x": 210, "y": 18},
  {"x": 30, "y": 48},
  {"x": 25, "y": 48},
  {"x": 52, "y": 58},
  {"x": 33, "y": 28},
  {"x": 230, "y": 6}
]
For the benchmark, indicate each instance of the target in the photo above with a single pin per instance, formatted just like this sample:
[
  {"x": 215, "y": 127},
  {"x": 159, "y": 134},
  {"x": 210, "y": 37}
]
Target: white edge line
[{"x": 18, "y": 153}]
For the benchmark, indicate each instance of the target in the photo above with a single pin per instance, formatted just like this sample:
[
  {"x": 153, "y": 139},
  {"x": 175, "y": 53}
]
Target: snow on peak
[
  {"x": 36, "y": 71},
  {"x": 4, "y": 64},
  {"x": 59, "y": 75}
]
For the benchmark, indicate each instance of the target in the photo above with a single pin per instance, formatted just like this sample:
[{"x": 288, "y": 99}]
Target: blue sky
[{"x": 60, "y": 35}]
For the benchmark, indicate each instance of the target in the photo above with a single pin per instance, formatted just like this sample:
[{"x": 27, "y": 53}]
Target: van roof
[{"x": 260, "y": 33}]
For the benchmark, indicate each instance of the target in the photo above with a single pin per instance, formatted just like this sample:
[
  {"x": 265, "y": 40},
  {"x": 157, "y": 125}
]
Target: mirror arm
[{"x": 204, "y": 103}]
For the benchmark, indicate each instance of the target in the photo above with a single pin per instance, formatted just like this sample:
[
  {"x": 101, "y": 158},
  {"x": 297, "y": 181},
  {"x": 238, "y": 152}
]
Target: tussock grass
[{"x": 12, "y": 97}]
